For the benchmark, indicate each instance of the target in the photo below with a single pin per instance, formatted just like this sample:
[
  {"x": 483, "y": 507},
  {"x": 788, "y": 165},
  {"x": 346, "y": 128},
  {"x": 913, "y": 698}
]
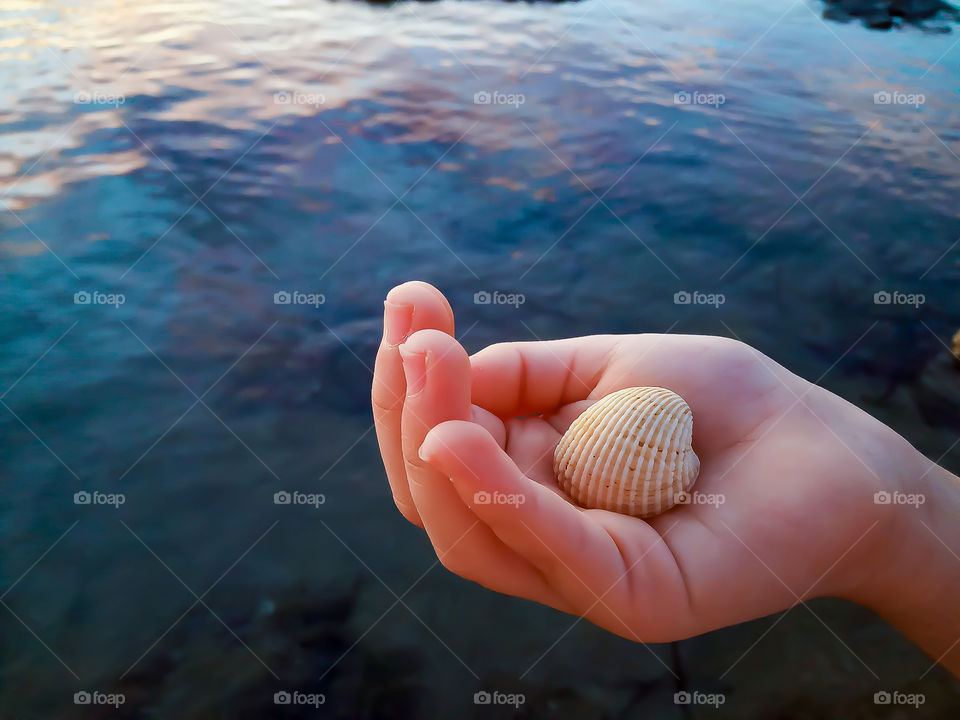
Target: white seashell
[{"x": 630, "y": 452}]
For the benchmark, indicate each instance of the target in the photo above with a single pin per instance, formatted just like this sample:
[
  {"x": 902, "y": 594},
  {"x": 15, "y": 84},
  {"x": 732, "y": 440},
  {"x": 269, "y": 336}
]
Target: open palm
[{"x": 784, "y": 505}]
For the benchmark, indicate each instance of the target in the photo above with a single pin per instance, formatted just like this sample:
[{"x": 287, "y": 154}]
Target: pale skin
[{"x": 797, "y": 466}]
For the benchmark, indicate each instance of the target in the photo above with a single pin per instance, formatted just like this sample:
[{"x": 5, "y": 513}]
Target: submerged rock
[
  {"x": 308, "y": 639},
  {"x": 937, "y": 392}
]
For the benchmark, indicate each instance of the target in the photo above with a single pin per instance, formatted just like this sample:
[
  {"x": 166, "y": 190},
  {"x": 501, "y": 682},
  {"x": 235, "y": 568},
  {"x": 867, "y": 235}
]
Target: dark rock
[
  {"x": 885, "y": 14},
  {"x": 878, "y": 22}
]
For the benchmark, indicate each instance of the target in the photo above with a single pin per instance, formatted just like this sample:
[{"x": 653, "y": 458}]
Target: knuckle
[
  {"x": 415, "y": 462},
  {"x": 385, "y": 399},
  {"x": 454, "y": 562},
  {"x": 385, "y": 403},
  {"x": 408, "y": 510},
  {"x": 734, "y": 354},
  {"x": 731, "y": 346}
]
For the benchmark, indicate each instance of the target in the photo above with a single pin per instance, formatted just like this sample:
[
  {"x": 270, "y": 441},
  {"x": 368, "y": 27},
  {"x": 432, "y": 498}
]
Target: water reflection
[{"x": 77, "y": 75}]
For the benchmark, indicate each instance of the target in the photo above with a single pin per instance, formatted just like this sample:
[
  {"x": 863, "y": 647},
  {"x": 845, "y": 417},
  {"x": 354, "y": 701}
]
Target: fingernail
[
  {"x": 422, "y": 454},
  {"x": 415, "y": 370},
  {"x": 397, "y": 321}
]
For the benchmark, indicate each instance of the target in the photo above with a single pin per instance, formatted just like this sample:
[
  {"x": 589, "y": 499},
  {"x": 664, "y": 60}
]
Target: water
[{"x": 198, "y": 157}]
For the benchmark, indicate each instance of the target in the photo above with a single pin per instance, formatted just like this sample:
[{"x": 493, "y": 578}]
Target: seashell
[{"x": 630, "y": 452}]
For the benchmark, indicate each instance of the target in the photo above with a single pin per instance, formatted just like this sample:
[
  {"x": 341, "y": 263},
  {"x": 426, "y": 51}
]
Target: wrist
[{"x": 914, "y": 578}]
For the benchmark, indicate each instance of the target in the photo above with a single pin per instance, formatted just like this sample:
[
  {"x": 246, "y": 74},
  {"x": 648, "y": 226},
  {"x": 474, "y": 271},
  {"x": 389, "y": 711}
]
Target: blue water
[{"x": 197, "y": 157}]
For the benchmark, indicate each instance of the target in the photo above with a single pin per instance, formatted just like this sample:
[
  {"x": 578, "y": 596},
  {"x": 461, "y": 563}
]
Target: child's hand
[{"x": 793, "y": 470}]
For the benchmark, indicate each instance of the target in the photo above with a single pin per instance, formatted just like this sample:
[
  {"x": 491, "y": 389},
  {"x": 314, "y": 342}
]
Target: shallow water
[{"x": 199, "y": 157}]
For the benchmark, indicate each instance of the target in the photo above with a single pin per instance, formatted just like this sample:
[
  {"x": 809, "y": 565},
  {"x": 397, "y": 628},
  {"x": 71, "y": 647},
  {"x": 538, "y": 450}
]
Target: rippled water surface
[{"x": 196, "y": 158}]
